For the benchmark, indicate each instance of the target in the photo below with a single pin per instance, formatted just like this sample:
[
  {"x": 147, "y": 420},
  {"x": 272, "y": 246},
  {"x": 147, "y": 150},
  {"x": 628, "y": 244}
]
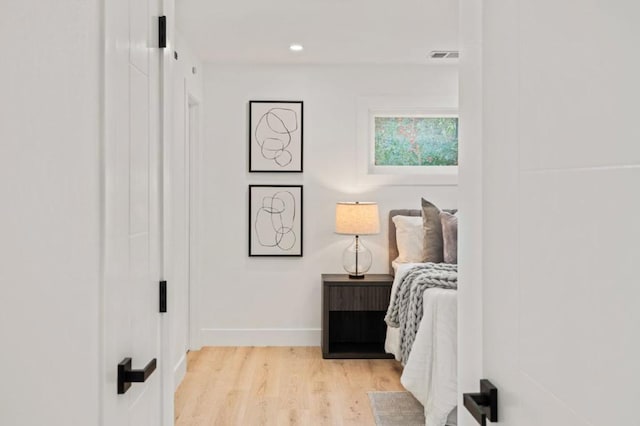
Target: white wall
[
  {"x": 187, "y": 87},
  {"x": 50, "y": 215},
  {"x": 257, "y": 301}
]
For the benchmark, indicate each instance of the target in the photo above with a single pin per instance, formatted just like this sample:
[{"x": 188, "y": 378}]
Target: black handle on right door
[
  {"x": 483, "y": 405},
  {"x": 126, "y": 375}
]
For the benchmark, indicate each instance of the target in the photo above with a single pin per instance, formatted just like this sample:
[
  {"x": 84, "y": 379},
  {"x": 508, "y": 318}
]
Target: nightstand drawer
[{"x": 359, "y": 298}]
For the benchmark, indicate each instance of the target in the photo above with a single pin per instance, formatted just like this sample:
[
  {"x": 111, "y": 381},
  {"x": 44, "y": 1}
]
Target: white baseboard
[
  {"x": 179, "y": 371},
  {"x": 260, "y": 336}
]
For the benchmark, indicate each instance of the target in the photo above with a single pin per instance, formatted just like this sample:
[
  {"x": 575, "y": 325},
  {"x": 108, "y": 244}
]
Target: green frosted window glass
[{"x": 416, "y": 141}]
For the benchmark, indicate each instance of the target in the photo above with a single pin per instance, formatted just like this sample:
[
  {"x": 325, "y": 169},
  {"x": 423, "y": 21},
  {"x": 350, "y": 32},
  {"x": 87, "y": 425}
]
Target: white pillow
[{"x": 409, "y": 238}]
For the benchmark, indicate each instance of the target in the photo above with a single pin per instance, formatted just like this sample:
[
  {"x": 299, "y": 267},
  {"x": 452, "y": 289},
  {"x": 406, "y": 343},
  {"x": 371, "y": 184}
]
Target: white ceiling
[{"x": 331, "y": 31}]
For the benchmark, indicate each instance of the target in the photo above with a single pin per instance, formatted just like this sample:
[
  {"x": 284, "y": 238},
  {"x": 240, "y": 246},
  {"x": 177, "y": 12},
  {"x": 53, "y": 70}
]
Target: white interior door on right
[{"x": 561, "y": 202}]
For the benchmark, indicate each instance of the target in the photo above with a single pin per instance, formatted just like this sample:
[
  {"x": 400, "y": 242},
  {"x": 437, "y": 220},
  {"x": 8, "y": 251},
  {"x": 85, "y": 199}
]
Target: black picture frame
[
  {"x": 276, "y": 136},
  {"x": 275, "y": 220}
]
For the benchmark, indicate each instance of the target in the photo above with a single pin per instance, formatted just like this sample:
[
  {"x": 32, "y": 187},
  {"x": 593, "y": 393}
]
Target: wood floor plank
[{"x": 293, "y": 386}]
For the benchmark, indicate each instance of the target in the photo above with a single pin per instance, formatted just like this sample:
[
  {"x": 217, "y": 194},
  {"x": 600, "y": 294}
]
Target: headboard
[{"x": 393, "y": 246}]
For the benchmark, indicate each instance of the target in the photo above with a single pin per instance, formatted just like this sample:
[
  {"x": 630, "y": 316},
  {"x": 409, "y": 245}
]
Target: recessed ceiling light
[{"x": 296, "y": 48}]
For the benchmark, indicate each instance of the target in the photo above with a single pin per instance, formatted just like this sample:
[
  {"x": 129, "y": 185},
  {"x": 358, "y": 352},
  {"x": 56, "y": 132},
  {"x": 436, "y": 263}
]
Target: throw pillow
[
  {"x": 433, "y": 244},
  {"x": 450, "y": 237},
  {"x": 409, "y": 239}
]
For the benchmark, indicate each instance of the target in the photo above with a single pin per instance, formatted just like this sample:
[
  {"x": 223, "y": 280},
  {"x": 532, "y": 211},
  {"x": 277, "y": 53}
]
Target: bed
[{"x": 430, "y": 369}]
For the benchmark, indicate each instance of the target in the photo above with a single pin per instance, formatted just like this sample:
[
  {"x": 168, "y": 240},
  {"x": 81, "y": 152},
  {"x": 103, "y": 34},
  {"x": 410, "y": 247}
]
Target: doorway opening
[{"x": 328, "y": 83}]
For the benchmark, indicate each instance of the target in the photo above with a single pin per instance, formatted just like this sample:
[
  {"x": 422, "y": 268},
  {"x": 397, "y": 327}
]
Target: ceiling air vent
[{"x": 444, "y": 54}]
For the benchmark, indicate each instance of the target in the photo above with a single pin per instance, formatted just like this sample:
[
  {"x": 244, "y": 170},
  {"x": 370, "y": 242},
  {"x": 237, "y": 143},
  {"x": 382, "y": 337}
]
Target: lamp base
[{"x": 356, "y": 259}]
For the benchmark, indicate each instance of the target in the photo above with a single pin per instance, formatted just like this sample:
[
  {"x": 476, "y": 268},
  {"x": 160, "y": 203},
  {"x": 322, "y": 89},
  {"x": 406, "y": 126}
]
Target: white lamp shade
[{"x": 357, "y": 218}]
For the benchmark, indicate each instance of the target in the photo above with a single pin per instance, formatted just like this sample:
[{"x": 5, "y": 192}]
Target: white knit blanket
[{"x": 406, "y": 306}]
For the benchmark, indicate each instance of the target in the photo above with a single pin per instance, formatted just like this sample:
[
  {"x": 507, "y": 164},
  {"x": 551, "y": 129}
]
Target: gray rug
[
  {"x": 396, "y": 409},
  {"x": 401, "y": 409}
]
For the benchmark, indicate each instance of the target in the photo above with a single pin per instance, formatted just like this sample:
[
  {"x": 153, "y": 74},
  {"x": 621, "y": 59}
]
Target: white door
[
  {"x": 561, "y": 179},
  {"x": 132, "y": 232}
]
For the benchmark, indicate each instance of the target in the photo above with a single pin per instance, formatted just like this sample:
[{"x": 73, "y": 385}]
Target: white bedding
[{"x": 430, "y": 373}]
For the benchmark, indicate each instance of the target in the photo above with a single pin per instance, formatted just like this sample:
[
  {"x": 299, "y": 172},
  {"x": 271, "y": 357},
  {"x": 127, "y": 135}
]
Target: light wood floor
[{"x": 279, "y": 386}]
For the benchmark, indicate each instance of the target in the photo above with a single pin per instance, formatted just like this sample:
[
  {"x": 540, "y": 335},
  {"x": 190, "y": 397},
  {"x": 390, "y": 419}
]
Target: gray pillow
[
  {"x": 433, "y": 244},
  {"x": 450, "y": 237}
]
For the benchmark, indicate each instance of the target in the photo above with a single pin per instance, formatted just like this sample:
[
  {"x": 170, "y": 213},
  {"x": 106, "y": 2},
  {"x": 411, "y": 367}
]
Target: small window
[
  {"x": 415, "y": 140},
  {"x": 407, "y": 140}
]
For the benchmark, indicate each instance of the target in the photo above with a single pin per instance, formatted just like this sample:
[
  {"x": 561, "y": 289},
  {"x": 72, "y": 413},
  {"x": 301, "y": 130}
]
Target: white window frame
[{"x": 369, "y": 173}]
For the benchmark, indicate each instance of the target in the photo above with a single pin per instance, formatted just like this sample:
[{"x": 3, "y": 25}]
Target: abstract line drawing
[
  {"x": 275, "y": 220},
  {"x": 275, "y": 136}
]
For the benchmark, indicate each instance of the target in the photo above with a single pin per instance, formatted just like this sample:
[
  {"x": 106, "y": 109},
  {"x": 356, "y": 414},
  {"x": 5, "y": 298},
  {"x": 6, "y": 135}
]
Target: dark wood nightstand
[{"x": 353, "y": 313}]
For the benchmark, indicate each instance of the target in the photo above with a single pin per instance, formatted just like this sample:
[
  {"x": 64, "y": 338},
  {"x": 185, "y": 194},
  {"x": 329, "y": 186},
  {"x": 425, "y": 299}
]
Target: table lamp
[{"x": 356, "y": 218}]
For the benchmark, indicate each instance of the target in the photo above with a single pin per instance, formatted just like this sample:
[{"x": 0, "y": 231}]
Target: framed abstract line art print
[
  {"x": 275, "y": 220},
  {"x": 275, "y": 136}
]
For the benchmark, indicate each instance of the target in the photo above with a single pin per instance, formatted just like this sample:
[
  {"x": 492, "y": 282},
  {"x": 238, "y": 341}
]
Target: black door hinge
[
  {"x": 162, "y": 32},
  {"x": 163, "y": 296}
]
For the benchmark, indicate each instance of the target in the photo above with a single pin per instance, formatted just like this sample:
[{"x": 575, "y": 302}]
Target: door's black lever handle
[
  {"x": 126, "y": 375},
  {"x": 483, "y": 405}
]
